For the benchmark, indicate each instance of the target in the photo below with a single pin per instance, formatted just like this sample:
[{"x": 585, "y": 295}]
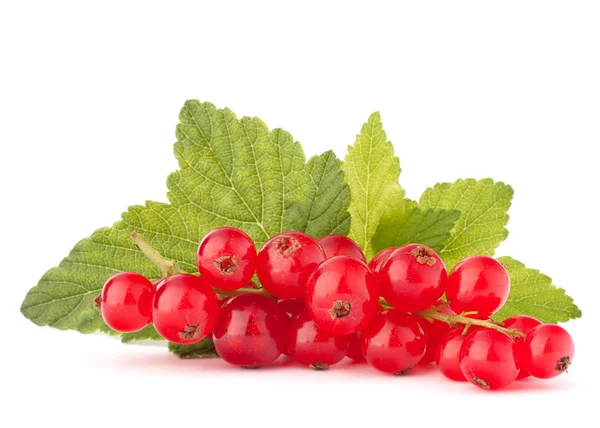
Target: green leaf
[
  {"x": 147, "y": 333},
  {"x": 329, "y": 197},
  {"x": 429, "y": 226},
  {"x": 481, "y": 226},
  {"x": 372, "y": 172},
  {"x": 532, "y": 293},
  {"x": 202, "y": 349},
  {"x": 233, "y": 172}
]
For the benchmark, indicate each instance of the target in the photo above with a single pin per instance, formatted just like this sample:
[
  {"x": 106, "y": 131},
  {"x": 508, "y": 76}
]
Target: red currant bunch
[{"x": 319, "y": 301}]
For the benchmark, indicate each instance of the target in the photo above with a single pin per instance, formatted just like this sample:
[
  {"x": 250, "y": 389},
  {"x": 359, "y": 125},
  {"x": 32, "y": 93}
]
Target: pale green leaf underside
[
  {"x": 233, "y": 172},
  {"x": 532, "y": 293},
  {"x": 372, "y": 172},
  {"x": 203, "y": 349},
  {"x": 147, "y": 333},
  {"x": 484, "y": 208}
]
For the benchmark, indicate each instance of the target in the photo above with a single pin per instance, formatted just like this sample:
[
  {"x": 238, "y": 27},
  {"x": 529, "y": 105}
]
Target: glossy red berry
[
  {"x": 393, "y": 342},
  {"x": 478, "y": 283},
  {"x": 447, "y": 354},
  {"x": 489, "y": 359},
  {"x": 548, "y": 351},
  {"x": 185, "y": 309},
  {"x": 250, "y": 331},
  {"x": 413, "y": 278},
  {"x": 380, "y": 258},
  {"x": 342, "y": 295},
  {"x": 292, "y": 307},
  {"x": 524, "y": 324},
  {"x": 126, "y": 302},
  {"x": 311, "y": 346},
  {"x": 226, "y": 258},
  {"x": 434, "y": 331},
  {"x": 285, "y": 263},
  {"x": 354, "y": 349},
  {"x": 340, "y": 245}
]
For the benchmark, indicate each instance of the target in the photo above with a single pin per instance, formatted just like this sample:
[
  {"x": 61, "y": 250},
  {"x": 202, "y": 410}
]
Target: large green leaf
[{"x": 233, "y": 172}]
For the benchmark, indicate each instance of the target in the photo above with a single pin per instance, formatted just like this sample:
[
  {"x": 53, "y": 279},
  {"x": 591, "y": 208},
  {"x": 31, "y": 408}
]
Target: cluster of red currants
[{"x": 320, "y": 301}]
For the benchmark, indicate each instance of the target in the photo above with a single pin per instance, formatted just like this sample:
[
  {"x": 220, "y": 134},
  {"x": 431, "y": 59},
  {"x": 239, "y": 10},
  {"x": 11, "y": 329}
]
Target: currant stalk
[{"x": 466, "y": 321}]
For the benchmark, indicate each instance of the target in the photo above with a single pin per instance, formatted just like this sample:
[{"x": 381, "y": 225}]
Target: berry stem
[
  {"x": 166, "y": 267},
  {"x": 456, "y": 320},
  {"x": 464, "y": 319},
  {"x": 259, "y": 291}
]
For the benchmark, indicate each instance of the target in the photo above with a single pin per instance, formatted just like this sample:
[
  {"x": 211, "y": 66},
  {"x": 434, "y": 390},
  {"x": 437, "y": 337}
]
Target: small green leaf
[
  {"x": 147, "y": 333},
  {"x": 481, "y": 226},
  {"x": 202, "y": 349},
  {"x": 532, "y": 293},
  {"x": 233, "y": 172},
  {"x": 429, "y": 226},
  {"x": 372, "y": 172}
]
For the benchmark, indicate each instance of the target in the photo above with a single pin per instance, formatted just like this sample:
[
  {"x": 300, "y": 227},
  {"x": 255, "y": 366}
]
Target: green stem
[
  {"x": 464, "y": 319},
  {"x": 453, "y": 320},
  {"x": 166, "y": 267},
  {"x": 239, "y": 291}
]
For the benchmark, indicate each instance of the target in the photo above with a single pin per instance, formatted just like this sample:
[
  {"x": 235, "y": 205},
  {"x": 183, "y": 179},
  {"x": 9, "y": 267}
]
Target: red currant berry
[
  {"x": 413, "y": 278},
  {"x": 340, "y": 245},
  {"x": 126, "y": 302},
  {"x": 447, "y": 354},
  {"x": 393, "y": 342},
  {"x": 342, "y": 295},
  {"x": 489, "y": 359},
  {"x": 313, "y": 347},
  {"x": 524, "y": 324},
  {"x": 354, "y": 349},
  {"x": 434, "y": 331},
  {"x": 185, "y": 309},
  {"x": 292, "y": 307},
  {"x": 380, "y": 258},
  {"x": 286, "y": 261},
  {"x": 478, "y": 283},
  {"x": 226, "y": 258},
  {"x": 548, "y": 351},
  {"x": 250, "y": 331}
]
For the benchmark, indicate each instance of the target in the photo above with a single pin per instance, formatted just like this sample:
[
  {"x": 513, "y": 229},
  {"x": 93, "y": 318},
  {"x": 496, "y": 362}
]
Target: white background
[{"x": 89, "y": 98}]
